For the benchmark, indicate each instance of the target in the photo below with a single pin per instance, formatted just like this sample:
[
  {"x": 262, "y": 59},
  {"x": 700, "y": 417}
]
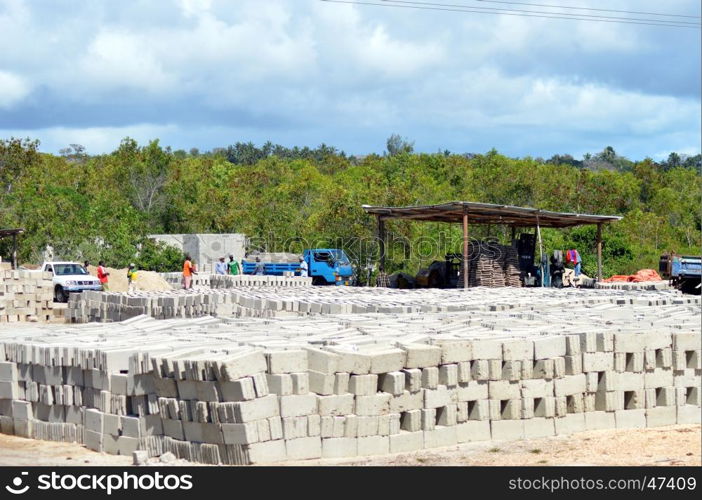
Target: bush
[{"x": 159, "y": 257}]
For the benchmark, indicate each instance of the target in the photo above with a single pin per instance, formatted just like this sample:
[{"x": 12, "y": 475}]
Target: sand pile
[{"x": 148, "y": 281}]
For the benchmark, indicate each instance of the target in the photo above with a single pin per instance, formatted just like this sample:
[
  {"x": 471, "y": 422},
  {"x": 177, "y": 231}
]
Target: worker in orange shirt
[{"x": 188, "y": 271}]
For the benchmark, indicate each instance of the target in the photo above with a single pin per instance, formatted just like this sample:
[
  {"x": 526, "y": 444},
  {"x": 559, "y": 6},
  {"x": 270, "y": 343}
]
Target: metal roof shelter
[
  {"x": 4, "y": 233},
  {"x": 486, "y": 213}
]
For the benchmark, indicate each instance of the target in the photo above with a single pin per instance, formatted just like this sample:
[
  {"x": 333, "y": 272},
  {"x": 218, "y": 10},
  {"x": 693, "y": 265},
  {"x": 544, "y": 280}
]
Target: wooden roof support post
[
  {"x": 514, "y": 236},
  {"x": 599, "y": 252},
  {"x": 465, "y": 249},
  {"x": 14, "y": 251},
  {"x": 381, "y": 243}
]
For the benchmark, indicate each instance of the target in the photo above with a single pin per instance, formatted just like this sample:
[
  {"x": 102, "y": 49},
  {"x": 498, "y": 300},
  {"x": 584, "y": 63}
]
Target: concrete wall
[{"x": 206, "y": 249}]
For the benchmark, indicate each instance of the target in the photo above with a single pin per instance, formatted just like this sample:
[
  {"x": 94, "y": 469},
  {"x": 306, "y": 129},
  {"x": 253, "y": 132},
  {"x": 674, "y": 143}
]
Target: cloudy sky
[{"x": 208, "y": 73}]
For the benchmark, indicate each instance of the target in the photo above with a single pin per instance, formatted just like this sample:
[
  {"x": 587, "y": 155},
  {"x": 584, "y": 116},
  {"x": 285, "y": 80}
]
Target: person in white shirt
[{"x": 303, "y": 268}]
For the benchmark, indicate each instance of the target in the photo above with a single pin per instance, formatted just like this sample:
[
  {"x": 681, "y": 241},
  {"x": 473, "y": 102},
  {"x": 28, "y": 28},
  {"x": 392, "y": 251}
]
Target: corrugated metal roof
[{"x": 488, "y": 213}]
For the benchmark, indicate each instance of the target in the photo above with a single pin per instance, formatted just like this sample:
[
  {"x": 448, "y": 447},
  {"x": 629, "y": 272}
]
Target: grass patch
[
  {"x": 535, "y": 451},
  {"x": 494, "y": 450},
  {"x": 542, "y": 461}
]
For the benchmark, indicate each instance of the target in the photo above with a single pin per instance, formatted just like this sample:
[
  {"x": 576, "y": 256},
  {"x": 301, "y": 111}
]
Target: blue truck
[
  {"x": 326, "y": 266},
  {"x": 683, "y": 271}
]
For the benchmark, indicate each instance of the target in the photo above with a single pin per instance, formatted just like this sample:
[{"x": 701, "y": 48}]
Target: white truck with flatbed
[{"x": 70, "y": 277}]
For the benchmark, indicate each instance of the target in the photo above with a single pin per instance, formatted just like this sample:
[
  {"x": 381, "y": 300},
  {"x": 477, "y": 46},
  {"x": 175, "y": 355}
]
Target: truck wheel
[
  {"x": 319, "y": 281},
  {"x": 689, "y": 286},
  {"x": 59, "y": 294}
]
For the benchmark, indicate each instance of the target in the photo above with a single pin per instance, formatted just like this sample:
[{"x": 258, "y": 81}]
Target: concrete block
[
  {"x": 473, "y": 390},
  {"x": 335, "y": 404},
  {"x": 405, "y": 442},
  {"x": 570, "y": 384},
  {"x": 8, "y": 372},
  {"x": 93, "y": 440},
  {"x": 549, "y": 347},
  {"x": 174, "y": 429},
  {"x": 321, "y": 383},
  {"x": 630, "y": 419},
  {"x": 473, "y": 430},
  {"x": 448, "y": 375},
  {"x": 363, "y": 385},
  {"x": 339, "y": 447},
  {"x": 387, "y": 360},
  {"x": 407, "y": 401},
  {"x": 507, "y": 430},
  {"x": 392, "y": 382},
  {"x": 280, "y": 384},
  {"x": 266, "y": 407},
  {"x": 127, "y": 445},
  {"x": 237, "y": 390},
  {"x": 292, "y": 361},
  {"x": 373, "y": 445},
  {"x": 539, "y": 427},
  {"x": 661, "y": 416},
  {"x": 456, "y": 350},
  {"x": 487, "y": 349},
  {"x": 428, "y": 419},
  {"x": 517, "y": 349},
  {"x": 413, "y": 379},
  {"x": 446, "y": 415},
  {"x": 543, "y": 369},
  {"x": 480, "y": 370},
  {"x": 441, "y": 436},
  {"x": 304, "y": 448},
  {"x": 240, "y": 433},
  {"x": 341, "y": 383},
  {"x": 421, "y": 355},
  {"x": 243, "y": 365},
  {"x": 267, "y": 452},
  {"x": 94, "y": 420},
  {"x": 504, "y": 389},
  {"x": 22, "y": 410},
  {"x": 570, "y": 423},
  {"x": 293, "y": 406},
  {"x": 441, "y": 396},
  {"x": 687, "y": 341},
  {"x": 365, "y": 425},
  {"x": 596, "y": 420},
  {"x": 689, "y": 414},
  {"x": 301, "y": 383},
  {"x": 598, "y": 361},
  {"x": 536, "y": 388},
  {"x": 464, "y": 370},
  {"x": 411, "y": 420},
  {"x": 430, "y": 377},
  {"x": 377, "y": 404}
]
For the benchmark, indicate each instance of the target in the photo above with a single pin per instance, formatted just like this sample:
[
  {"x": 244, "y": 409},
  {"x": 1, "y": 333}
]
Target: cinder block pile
[
  {"x": 241, "y": 280},
  {"x": 244, "y": 391},
  {"x": 25, "y": 296}
]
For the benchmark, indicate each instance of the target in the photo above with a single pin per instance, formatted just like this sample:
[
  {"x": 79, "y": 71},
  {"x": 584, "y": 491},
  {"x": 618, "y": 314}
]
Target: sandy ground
[{"x": 675, "y": 445}]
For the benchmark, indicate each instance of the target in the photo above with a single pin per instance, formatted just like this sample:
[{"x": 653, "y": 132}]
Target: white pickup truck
[{"x": 70, "y": 277}]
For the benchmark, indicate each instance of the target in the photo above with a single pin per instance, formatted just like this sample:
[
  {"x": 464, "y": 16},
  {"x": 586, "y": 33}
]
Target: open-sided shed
[
  {"x": 468, "y": 212},
  {"x": 5, "y": 233}
]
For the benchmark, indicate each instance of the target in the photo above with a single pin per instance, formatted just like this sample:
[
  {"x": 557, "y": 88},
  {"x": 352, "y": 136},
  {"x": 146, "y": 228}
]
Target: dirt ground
[{"x": 675, "y": 445}]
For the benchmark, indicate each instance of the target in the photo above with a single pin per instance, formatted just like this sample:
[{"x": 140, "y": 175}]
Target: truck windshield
[
  {"x": 340, "y": 257},
  {"x": 69, "y": 269}
]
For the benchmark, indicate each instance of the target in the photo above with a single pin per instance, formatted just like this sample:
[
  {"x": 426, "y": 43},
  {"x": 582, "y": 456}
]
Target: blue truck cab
[{"x": 326, "y": 266}]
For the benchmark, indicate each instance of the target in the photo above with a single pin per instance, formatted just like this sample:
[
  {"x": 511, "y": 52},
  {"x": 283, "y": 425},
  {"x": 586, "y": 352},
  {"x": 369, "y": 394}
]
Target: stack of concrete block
[
  {"x": 25, "y": 296},
  {"x": 625, "y": 285},
  {"x": 246, "y": 391},
  {"x": 237, "y": 281}
]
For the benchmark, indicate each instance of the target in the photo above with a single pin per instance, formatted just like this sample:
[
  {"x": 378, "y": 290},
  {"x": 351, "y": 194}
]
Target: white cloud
[{"x": 13, "y": 89}]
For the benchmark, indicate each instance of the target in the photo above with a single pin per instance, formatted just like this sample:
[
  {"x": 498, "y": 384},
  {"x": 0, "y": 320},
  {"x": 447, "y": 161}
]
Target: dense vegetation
[{"x": 102, "y": 207}]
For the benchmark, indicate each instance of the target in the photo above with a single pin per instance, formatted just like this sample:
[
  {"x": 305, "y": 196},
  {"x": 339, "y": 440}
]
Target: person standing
[
  {"x": 304, "y": 271},
  {"x": 131, "y": 278},
  {"x": 260, "y": 268},
  {"x": 86, "y": 264},
  {"x": 102, "y": 275},
  {"x": 221, "y": 266},
  {"x": 188, "y": 271},
  {"x": 233, "y": 266}
]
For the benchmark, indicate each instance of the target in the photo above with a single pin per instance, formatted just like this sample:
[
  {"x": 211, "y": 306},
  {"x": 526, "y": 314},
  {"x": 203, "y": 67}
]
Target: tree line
[{"x": 103, "y": 206}]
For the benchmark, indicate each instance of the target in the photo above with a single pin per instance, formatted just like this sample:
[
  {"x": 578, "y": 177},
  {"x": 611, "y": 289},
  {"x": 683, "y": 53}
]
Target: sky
[{"x": 210, "y": 73}]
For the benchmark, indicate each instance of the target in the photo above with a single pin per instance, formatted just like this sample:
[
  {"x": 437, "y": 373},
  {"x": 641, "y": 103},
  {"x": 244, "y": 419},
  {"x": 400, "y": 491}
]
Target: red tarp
[{"x": 642, "y": 275}]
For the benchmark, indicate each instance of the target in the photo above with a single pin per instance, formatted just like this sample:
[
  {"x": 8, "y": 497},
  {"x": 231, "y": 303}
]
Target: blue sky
[{"x": 209, "y": 73}]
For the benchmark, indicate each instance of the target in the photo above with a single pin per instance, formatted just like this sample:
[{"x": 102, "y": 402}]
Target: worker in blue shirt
[{"x": 221, "y": 266}]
